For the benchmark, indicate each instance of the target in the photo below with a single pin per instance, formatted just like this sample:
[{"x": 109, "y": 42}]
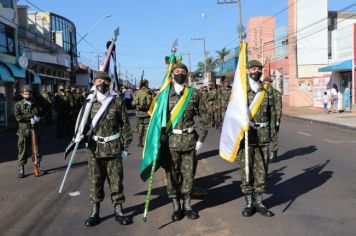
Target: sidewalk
[{"x": 345, "y": 120}]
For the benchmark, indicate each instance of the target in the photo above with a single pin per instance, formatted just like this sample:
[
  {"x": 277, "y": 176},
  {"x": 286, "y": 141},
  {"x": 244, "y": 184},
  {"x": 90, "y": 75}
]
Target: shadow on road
[
  {"x": 297, "y": 152},
  {"x": 62, "y": 168},
  {"x": 214, "y": 197},
  {"x": 208, "y": 154},
  {"x": 288, "y": 191}
]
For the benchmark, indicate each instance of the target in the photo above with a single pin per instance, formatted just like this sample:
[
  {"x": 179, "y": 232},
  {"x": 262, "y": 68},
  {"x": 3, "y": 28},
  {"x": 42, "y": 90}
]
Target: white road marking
[
  {"x": 339, "y": 141},
  {"x": 303, "y": 133}
]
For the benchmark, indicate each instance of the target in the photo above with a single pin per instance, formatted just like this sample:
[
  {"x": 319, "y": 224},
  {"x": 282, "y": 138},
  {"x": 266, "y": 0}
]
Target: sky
[{"x": 148, "y": 28}]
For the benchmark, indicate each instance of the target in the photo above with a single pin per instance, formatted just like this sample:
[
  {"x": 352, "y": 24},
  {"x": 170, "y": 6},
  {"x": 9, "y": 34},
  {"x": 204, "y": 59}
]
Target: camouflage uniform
[
  {"x": 46, "y": 105},
  {"x": 258, "y": 140},
  {"x": 71, "y": 112},
  {"x": 104, "y": 159},
  {"x": 179, "y": 156},
  {"x": 141, "y": 100},
  {"x": 224, "y": 100},
  {"x": 212, "y": 99},
  {"x": 24, "y": 111},
  {"x": 278, "y": 104},
  {"x": 61, "y": 106}
]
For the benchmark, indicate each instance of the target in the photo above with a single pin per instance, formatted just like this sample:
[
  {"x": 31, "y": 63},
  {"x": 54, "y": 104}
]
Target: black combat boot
[
  {"x": 262, "y": 209},
  {"x": 21, "y": 171},
  {"x": 273, "y": 157},
  {"x": 120, "y": 216},
  {"x": 94, "y": 217},
  {"x": 188, "y": 211},
  {"x": 248, "y": 210},
  {"x": 177, "y": 210}
]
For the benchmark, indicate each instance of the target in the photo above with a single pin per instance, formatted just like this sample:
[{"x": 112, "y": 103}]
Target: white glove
[
  {"x": 198, "y": 146},
  {"x": 124, "y": 155},
  {"x": 33, "y": 121},
  {"x": 37, "y": 119},
  {"x": 78, "y": 139}
]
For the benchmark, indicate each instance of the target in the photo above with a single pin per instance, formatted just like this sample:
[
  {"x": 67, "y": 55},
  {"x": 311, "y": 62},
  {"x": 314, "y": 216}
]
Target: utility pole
[
  {"x": 205, "y": 55},
  {"x": 190, "y": 69},
  {"x": 238, "y": 12},
  {"x": 98, "y": 59}
]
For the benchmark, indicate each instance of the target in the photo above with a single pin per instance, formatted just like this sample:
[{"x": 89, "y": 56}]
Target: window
[
  {"x": 7, "y": 3},
  {"x": 7, "y": 40}
]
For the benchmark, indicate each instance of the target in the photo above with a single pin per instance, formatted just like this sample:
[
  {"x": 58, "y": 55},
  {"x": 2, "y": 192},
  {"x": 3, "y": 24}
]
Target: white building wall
[{"x": 312, "y": 32}]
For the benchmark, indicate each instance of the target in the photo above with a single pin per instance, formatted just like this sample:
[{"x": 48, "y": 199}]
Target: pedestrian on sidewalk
[
  {"x": 325, "y": 101},
  {"x": 334, "y": 98}
]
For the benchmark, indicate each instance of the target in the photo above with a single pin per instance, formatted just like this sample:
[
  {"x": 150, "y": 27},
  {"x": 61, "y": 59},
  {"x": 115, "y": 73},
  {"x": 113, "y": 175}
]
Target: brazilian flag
[{"x": 158, "y": 112}]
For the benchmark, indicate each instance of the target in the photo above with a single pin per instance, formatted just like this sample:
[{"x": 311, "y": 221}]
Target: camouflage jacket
[
  {"x": 23, "y": 114},
  {"x": 60, "y": 104},
  {"x": 115, "y": 120},
  {"x": 266, "y": 113},
  {"x": 70, "y": 100},
  {"x": 141, "y": 101},
  {"x": 224, "y": 97},
  {"x": 212, "y": 96},
  {"x": 196, "y": 107},
  {"x": 278, "y": 103}
]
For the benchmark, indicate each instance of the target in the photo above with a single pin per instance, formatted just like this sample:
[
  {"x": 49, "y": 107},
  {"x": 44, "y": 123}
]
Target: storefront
[{"x": 341, "y": 76}]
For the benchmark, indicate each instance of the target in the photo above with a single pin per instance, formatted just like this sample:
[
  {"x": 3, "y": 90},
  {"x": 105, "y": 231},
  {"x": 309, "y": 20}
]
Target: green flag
[{"x": 158, "y": 121}]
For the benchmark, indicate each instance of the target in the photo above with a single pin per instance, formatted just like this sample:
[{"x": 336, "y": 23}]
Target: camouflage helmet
[
  {"x": 180, "y": 65},
  {"x": 102, "y": 75},
  {"x": 27, "y": 88},
  {"x": 254, "y": 63},
  {"x": 144, "y": 83}
]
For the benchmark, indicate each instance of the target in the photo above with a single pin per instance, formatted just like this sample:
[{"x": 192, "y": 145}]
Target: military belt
[
  {"x": 183, "y": 131},
  {"x": 258, "y": 125},
  {"x": 100, "y": 139}
]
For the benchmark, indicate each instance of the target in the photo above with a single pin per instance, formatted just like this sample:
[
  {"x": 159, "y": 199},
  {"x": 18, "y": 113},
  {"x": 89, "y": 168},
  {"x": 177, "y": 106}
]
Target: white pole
[{"x": 247, "y": 163}]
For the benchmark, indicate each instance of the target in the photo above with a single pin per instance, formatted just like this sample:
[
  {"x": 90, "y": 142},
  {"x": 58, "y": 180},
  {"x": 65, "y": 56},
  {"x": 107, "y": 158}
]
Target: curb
[{"x": 322, "y": 122}]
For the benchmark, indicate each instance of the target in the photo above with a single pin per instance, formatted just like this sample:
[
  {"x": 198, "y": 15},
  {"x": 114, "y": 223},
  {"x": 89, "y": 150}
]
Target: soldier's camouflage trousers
[
  {"x": 100, "y": 169},
  {"x": 180, "y": 168},
  {"x": 274, "y": 145},
  {"x": 258, "y": 168},
  {"x": 24, "y": 146},
  {"x": 143, "y": 125}
]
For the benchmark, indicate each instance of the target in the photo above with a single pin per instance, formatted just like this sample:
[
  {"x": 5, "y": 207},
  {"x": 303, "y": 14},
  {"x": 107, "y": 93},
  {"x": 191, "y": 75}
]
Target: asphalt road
[{"x": 311, "y": 189}]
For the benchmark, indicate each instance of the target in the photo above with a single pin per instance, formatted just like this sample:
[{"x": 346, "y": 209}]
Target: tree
[
  {"x": 221, "y": 54},
  {"x": 210, "y": 65}
]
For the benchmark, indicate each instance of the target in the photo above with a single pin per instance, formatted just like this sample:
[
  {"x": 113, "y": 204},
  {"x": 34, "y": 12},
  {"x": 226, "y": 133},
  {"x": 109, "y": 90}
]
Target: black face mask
[
  {"x": 62, "y": 90},
  {"x": 28, "y": 99},
  {"x": 256, "y": 75},
  {"x": 180, "y": 78},
  {"x": 103, "y": 87}
]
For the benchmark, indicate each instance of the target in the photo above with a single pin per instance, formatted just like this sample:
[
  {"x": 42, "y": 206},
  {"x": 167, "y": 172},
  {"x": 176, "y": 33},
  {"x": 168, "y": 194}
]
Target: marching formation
[{"x": 167, "y": 133}]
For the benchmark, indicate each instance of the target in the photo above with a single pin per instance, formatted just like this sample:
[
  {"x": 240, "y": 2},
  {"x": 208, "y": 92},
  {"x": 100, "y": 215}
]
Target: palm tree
[
  {"x": 221, "y": 54},
  {"x": 210, "y": 65}
]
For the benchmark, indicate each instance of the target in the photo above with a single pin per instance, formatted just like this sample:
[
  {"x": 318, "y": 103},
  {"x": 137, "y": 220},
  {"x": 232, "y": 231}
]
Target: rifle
[{"x": 35, "y": 154}]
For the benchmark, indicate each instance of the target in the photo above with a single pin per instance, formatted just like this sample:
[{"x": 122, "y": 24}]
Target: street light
[
  {"x": 93, "y": 27},
  {"x": 205, "y": 55}
]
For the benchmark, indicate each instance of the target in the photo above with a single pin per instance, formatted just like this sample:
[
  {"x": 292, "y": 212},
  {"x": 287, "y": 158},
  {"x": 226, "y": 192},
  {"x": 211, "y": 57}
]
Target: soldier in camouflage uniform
[
  {"x": 179, "y": 149},
  {"x": 27, "y": 114},
  {"x": 261, "y": 130},
  {"x": 141, "y": 101},
  {"x": 277, "y": 97},
  {"x": 61, "y": 107},
  {"x": 46, "y": 105},
  {"x": 212, "y": 99},
  {"x": 71, "y": 113},
  {"x": 107, "y": 147},
  {"x": 224, "y": 98}
]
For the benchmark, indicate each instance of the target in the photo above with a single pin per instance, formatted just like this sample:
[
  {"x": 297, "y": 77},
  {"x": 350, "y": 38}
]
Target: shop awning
[
  {"x": 5, "y": 74},
  {"x": 16, "y": 71},
  {"x": 337, "y": 66},
  {"x": 36, "y": 78}
]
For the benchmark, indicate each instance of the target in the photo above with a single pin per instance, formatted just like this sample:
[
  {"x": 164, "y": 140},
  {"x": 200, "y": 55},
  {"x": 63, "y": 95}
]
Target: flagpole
[{"x": 149, "y": 189}]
